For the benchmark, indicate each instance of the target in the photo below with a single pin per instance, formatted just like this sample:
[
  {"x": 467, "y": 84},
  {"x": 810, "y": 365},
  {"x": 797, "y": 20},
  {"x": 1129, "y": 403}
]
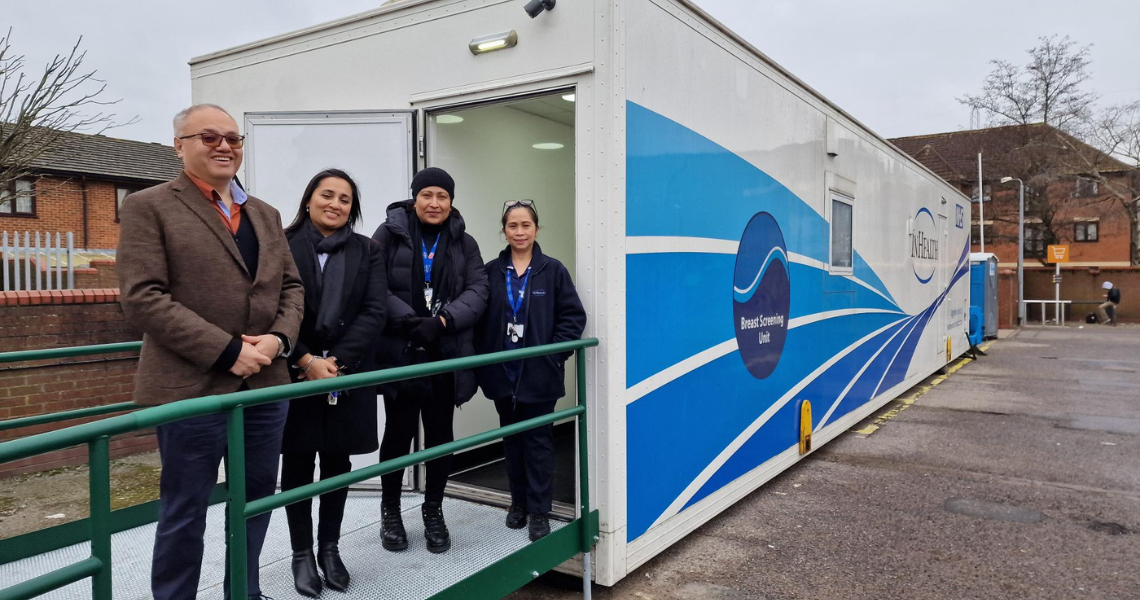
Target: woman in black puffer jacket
[
  {"x": 533, "y": 302},
  {"x": 437, "y": 293}
]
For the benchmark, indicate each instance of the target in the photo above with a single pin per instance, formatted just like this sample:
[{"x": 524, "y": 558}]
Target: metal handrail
[
  {"x": 67, "y": 415},
  {"x": 97, "y": 435},
  {"x": 49, "y": 353},
  {"x": 22, "y": 355}
]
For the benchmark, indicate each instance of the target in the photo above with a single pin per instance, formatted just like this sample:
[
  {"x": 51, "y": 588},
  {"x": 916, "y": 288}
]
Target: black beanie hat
[{"x": 433, "y": 176}]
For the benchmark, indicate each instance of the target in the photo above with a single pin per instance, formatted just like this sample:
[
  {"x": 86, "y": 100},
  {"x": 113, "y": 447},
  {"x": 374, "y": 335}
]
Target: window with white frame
[
  {"x": 1034, "y": 240},
  {"x": 1086, "y": 231},
  {"x": 976, "y": 230},
  {"x": 18, "y": 199},
  {"x": 1085, "y": 187},
  {"x": 842, "y": 221},
  {"x": 121, "y": 192}
]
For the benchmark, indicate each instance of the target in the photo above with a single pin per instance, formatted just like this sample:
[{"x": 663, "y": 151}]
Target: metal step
[{"x": 479, "y": 538}]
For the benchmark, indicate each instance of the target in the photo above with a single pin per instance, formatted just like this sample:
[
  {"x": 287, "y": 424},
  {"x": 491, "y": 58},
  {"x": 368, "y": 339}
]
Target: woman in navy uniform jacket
[
  {"x": 533, "y": 302},
  {"x": 345, "y": 296}
]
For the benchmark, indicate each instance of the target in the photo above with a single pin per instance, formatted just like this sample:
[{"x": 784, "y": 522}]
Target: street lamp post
[{"x": 1020, "y": 248}]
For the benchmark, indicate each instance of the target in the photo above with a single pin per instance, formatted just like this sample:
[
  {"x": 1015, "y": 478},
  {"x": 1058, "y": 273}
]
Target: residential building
[
  {"x": 1068, "y": 188},
  {"x": 78, "y": 184}
]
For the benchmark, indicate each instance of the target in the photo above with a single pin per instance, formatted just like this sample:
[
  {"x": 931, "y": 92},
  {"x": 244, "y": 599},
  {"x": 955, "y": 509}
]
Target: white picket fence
[{"x": 29, "y": 265}]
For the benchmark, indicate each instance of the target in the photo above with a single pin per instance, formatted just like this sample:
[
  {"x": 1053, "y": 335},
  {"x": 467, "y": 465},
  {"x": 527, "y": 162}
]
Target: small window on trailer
[{"x": 842, "y": 233}]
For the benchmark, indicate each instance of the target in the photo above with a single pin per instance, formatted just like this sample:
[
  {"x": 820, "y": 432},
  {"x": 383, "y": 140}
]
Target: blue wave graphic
[
  {"x": 888, "y": 369},
  {"x": 681, "y": 184},
  {"x": 776, "y": 255},
  {"x": 685, "y": 425}
]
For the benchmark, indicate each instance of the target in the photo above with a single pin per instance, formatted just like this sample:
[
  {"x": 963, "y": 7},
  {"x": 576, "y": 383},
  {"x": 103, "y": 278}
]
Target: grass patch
[{"x": 134, "y": 484}]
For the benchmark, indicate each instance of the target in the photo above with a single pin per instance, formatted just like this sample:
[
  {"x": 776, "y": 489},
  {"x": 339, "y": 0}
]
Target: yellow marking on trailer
[
  {"x": 902, "y": 404},
  {"x": 805, "y": 426}
]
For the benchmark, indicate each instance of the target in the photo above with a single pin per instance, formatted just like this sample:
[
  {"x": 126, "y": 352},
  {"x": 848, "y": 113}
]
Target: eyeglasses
[
  {"x": 509, "y": 204},
  {"x": 213, "y": 140}
]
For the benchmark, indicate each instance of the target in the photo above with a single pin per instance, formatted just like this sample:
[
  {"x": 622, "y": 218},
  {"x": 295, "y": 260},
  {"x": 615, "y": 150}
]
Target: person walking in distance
[{"x": 1111, "y": 303}]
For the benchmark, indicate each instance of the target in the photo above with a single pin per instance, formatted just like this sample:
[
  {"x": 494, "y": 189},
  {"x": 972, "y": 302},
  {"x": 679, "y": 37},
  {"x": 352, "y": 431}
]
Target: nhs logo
[{"x": 959, "y": 216}]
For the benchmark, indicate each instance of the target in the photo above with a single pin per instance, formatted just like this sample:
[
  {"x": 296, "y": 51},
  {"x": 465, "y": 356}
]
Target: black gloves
[
  {"x": 402, "y": 325},
  {"x": 425, "y": 331}
]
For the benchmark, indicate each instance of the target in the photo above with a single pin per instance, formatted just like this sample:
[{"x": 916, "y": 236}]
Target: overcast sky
[{"x": 897, "y": 66}]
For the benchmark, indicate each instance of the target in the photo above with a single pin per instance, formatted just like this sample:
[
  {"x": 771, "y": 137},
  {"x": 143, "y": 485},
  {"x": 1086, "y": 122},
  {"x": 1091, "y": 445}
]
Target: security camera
[{"x": 535, "y": 7}]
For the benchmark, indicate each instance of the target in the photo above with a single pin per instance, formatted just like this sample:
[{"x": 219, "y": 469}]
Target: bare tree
[
  {"x": 37, "y": 110},
  {"x": 1047, "y": 101},
  {"x": 1114, "y": 165},
  {"x": 1048, "y": 89}
]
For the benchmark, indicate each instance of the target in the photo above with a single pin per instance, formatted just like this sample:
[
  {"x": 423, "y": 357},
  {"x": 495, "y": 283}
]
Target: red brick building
[
  {"x": 78, "y": 185},
  {"x": 1068, "y": 189}
]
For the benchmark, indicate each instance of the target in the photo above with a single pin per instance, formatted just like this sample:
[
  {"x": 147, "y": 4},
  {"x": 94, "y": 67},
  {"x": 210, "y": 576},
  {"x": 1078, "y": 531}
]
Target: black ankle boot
[
  {"x": 328, "y": 559},
  {"x": 516, "y": 517},
  {"x": 539, "y": 527},
  {"x": 394, "y": 537},
  {"x": 435, "y": 529},
  {"x": 305, "y": 576}
]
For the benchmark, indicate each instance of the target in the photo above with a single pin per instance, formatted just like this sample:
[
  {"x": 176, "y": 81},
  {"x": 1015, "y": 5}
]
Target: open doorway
[{"x": 510, "y": 150}]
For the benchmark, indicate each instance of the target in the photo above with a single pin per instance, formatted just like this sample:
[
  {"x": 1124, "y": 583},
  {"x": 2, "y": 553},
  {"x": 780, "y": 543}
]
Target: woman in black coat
[
  {"x": 437, "y": 292},
  {"x": 533, "y": 303},
  {"x": 345, "y": 301}
]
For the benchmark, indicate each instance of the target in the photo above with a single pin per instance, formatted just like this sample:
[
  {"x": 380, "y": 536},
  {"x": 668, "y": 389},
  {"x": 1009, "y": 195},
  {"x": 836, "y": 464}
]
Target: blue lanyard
[
  {"x": 429, "y": 258},
  {"x": 516, "y": 304}
]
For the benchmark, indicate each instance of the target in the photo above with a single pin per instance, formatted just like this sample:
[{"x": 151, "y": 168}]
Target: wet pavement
[{"x": 1018, "y": 476}]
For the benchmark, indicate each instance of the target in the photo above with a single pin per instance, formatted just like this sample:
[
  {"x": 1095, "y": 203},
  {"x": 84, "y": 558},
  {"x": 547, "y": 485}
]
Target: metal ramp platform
[{"x": 479, "y": 539}]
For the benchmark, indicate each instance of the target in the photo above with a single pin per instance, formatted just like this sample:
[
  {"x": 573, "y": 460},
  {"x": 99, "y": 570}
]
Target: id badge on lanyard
[
  {"x": 516, "y": 330},
  {"x": 429, "y": 258}
]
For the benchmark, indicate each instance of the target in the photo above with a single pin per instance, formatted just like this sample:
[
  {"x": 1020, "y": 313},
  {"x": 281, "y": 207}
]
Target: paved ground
[{"x": 1016, "y": 477}]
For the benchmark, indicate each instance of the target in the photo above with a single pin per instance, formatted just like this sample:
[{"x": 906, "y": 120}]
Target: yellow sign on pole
[{"x": 1058, "y": 253}]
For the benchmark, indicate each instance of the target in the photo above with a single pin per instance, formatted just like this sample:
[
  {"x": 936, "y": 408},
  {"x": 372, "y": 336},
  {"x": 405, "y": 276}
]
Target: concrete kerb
[{"x": 873, "y": 423}]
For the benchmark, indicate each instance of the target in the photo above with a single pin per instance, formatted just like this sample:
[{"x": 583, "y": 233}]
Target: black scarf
[
  {"x": 423, "y": 236},
  {"x": 327, "y": 289}
]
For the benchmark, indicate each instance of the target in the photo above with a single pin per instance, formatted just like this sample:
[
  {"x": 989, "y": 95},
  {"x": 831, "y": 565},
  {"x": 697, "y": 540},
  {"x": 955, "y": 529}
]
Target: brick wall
[
  {"x": 1007, "y": 299},
  {"x": 59, "y": 208},
  {"x": 83, "y": 317},
  {"x": 1111, "y": 248},
  {"x": 1083, "y": 285}
]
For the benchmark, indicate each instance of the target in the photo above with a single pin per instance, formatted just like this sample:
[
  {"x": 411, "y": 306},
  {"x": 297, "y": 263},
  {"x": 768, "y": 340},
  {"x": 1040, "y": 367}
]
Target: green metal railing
[
  {"x": 495, "y": 581},
  {"x": 49, "y": 353}
]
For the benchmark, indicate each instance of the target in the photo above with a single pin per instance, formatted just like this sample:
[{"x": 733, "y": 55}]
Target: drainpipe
[{"x": 83, "y": 183}]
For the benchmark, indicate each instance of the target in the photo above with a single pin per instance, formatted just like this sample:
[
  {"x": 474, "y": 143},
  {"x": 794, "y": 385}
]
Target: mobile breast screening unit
[{"x": 761, "y": 269}]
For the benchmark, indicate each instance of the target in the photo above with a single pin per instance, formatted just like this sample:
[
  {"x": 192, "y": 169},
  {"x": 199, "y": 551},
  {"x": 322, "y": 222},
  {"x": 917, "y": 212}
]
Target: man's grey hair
[{"x": 180, "y": 118}]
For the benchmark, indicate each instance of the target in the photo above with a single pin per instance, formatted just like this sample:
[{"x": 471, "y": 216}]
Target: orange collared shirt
[{"x": 232, "y": 217}]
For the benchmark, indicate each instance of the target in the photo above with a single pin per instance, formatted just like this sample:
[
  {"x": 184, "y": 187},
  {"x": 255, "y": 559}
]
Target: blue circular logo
[
  {"x": 924, "y": 245},
  {"x": 761, "y": 293}
]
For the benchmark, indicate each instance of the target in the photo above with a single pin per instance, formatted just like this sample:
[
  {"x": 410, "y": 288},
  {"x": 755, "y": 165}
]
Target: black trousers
[
  {"x": 296, "y": 471},
  {"x": 529, "y": 455},
  {"x": 190, "y": 451},
  {"x": 435, "y": 403}
]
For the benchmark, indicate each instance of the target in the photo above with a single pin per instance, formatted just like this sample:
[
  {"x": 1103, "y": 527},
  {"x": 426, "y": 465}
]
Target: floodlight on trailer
[{"x": 499, "y": 41}]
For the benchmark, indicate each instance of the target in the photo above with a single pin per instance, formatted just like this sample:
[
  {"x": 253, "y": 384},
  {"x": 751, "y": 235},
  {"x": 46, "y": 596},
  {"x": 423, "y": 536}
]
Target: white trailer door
[
  {"x": 285, "y": 149},
  {"x": 945, "y": 267}
]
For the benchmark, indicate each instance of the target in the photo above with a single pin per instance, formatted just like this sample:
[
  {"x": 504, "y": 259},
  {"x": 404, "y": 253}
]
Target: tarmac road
[{"x": 1018, "y": 476}]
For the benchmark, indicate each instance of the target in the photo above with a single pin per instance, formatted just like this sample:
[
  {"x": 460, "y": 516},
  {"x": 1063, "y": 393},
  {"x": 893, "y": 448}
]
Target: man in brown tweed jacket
[{"x": 207, "y": 276}]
